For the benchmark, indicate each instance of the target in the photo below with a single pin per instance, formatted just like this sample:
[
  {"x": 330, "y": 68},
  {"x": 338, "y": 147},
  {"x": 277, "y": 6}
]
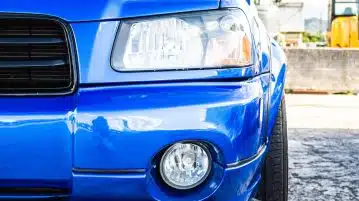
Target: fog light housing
[{"x": 185, "y": 165}]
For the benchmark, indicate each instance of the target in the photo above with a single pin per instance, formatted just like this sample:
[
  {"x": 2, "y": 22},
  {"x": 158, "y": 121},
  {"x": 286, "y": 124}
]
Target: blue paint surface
[
  {"x": 86, "y": 10},
  {"x": 115, "y": 122},
  {"x": 122, "y": 121}
]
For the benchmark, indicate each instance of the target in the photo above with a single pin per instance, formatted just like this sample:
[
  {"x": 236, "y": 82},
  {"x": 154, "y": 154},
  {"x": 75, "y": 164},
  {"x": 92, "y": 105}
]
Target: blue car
[{"x": 140, "y": 100}]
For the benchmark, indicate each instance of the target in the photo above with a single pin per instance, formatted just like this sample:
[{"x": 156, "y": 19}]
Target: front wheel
[{"x": 275, "y": 173}]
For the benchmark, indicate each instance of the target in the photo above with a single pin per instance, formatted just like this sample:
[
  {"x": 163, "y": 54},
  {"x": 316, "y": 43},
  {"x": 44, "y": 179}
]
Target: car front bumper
[
  {"x": 102, "y": 143},
  {"x": 237, "y": 183}
]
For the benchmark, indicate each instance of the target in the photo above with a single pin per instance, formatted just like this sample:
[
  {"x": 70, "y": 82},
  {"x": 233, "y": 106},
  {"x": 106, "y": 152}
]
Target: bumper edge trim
[
  {"x": 108, "y": 171},
  {"x": 260, "y": 152}
]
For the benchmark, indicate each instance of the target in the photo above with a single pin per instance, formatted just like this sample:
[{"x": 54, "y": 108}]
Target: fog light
[{"x": 185, "y": 165}]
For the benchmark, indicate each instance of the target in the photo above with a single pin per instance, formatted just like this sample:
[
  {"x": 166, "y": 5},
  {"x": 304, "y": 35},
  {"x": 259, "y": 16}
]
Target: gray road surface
[{"x": 323, "y": 147}]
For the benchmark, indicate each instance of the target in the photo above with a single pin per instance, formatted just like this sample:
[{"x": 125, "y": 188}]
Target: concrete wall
[{"x": 323, "y": 69}]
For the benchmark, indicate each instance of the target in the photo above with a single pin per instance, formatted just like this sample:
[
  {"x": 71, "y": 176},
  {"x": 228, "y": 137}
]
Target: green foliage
[
  {"x": 306, "y": 40},
  {"x": 312, "y": 38}
]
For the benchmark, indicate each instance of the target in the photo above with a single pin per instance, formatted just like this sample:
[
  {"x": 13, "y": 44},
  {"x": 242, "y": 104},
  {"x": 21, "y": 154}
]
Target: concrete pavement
[{"x": 323, "y": 147}]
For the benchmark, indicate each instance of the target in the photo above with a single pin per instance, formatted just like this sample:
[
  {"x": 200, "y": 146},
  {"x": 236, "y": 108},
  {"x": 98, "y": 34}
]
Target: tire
[{"x": 274, "y": 186}]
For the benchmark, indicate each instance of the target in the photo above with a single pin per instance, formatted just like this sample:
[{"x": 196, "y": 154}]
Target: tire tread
[{"x": 275, "y": 184}]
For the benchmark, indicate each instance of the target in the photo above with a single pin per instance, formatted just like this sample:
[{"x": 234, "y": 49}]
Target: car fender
[{"x": 277, "y": 83}]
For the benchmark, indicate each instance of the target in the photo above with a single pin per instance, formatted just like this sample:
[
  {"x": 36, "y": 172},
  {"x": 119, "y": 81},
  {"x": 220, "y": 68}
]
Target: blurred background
[
  {"x": 311, "y": 23},
  {"x": 321, "y": 41}
]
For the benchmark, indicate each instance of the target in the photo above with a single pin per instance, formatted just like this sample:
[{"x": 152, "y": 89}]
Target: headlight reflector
[
  {"x": 185, "y": 165},
  {"x": 186, "y": 41},
  {"x": 160, "y": 43}
]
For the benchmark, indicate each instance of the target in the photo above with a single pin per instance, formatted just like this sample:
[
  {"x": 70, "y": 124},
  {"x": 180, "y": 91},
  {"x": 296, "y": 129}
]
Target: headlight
[
  {"x": 185, "y": 165},
  {"x": 210, "y": 39}
]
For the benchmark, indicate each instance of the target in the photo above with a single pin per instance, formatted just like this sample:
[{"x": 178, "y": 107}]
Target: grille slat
[
  {"x": 32, "y": 52},
  {"x": 34, "y": 57},
  {"x": 29, "y": 40},
  {"x": 28, "y": 64}
]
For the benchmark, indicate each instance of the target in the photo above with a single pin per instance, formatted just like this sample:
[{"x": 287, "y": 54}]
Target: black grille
[
  {"x": 34, "y": 57},
  {"x": 33, "y": 191}
]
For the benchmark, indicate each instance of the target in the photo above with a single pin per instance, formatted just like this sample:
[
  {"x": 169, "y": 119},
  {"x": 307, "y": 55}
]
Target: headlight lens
[
  {"x": 185, "y": 165},
  {"x": 188, "y": 41}
]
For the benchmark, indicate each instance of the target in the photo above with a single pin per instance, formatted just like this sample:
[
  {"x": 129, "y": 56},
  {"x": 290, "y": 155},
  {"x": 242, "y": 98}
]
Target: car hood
[{"x": 86, "y": 10}]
